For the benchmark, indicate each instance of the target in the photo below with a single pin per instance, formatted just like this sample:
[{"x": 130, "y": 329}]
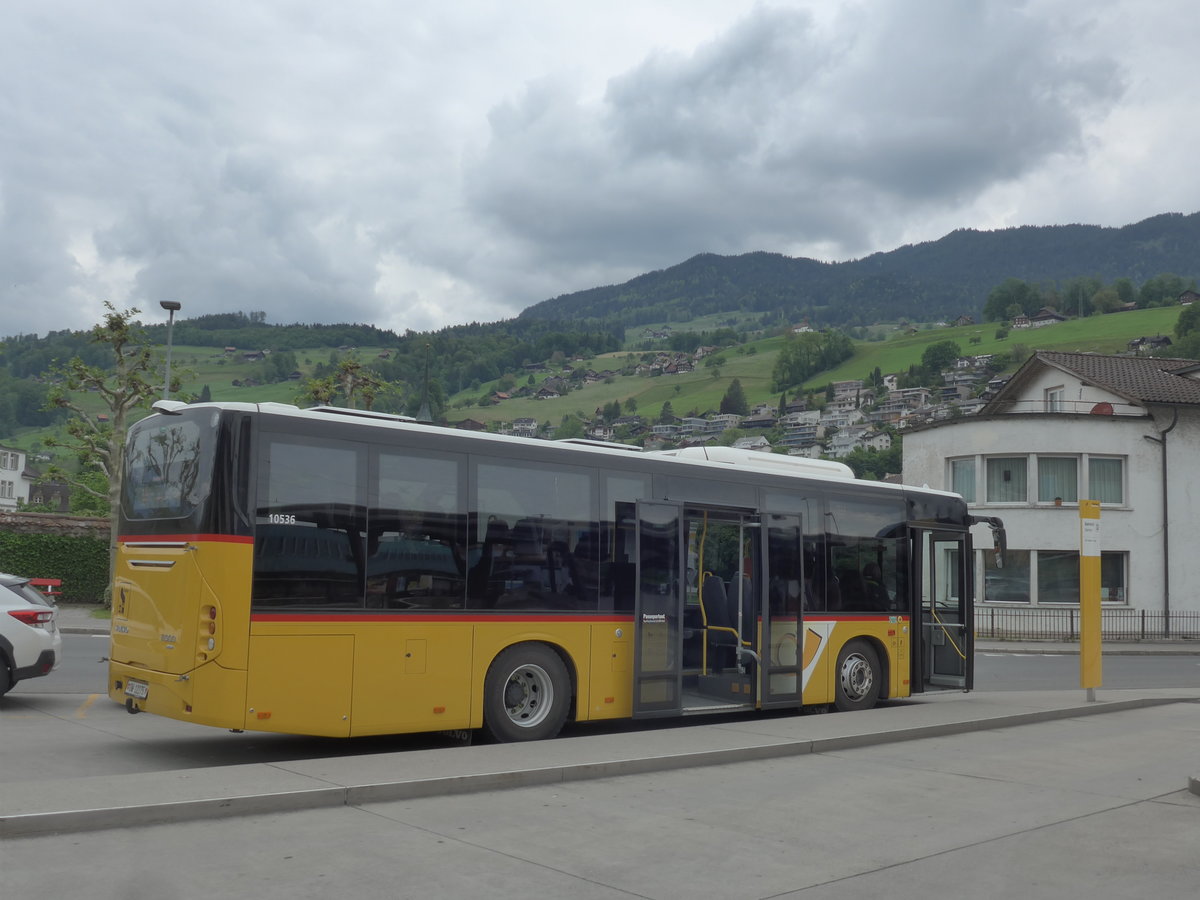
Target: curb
[{"x": 216, "y": 807}]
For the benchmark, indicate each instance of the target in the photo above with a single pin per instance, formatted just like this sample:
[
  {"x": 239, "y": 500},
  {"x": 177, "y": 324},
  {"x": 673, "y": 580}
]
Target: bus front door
[
  {"x": 658, "y": 611},
  {"x": 943, "y": 659}
]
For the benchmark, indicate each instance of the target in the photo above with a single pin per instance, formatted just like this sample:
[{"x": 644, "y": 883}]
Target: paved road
[{"x": 1091, "y": 806}]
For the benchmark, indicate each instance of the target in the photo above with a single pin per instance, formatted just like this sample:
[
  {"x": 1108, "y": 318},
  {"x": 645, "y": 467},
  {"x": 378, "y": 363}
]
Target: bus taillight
[{"x": 208, "y": 631}]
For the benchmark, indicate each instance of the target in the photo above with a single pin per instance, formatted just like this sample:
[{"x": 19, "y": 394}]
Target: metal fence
[{"x": 1050, "y": 624}]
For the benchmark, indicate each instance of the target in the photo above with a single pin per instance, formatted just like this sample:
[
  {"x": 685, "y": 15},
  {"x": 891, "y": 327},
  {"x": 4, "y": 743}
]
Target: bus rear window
[{"x": 168, "y": 465}]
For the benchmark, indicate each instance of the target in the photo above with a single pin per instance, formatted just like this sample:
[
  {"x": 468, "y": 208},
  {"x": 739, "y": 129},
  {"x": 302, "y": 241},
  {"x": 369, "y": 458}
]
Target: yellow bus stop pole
[{"x": 1089, "y": 597}]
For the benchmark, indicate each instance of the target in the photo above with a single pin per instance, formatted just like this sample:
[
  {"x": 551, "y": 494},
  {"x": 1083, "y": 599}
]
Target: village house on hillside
[
  {"x": 15, "y": 479},
  {"x": 1149, "y": 344},
  {"x": 1120, "y": 430},
  {"x": 1043, "y": 317}
]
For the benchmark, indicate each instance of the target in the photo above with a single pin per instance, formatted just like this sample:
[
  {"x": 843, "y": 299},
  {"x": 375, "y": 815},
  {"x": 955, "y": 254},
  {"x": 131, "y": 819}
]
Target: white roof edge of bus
[
  {"x": 751, "y": 460},
  {"x": 763, "y": 462},
  {"x": 168, "y": 407}
]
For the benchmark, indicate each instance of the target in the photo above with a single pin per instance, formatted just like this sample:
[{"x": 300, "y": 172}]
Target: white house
[
  {"x": 1068, "y": 426},
  {"x": 524, "y": 428},
  {"x": 753, "y": 443},
  {"x": 14, "y": 480}
]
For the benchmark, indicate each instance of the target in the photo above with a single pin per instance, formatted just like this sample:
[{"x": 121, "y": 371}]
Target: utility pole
[{"x": 172, "y": 306}]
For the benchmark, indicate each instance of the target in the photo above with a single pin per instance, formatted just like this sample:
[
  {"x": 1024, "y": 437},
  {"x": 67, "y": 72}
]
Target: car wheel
[
  {"x": 858, "y": 677},
  {"x": 526, "y": 695},
  {"x": 6, "y": 681}
]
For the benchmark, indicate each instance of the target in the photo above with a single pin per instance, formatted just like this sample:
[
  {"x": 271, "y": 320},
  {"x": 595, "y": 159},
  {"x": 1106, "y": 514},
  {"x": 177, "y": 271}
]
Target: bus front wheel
[
  {"x": 858, "y": 677},
  {"x": 526, "y": 695}
]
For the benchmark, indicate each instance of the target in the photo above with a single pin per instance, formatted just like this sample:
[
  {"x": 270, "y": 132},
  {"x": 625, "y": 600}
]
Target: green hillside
[{"x": 752, "y": 363}]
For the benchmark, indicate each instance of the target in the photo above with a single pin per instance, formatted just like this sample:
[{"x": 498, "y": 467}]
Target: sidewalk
[{"x": 116, "y": 801}]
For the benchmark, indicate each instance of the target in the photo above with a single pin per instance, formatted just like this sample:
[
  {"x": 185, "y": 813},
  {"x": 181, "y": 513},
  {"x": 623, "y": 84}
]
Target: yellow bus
[{"x": 332, "y": 572}]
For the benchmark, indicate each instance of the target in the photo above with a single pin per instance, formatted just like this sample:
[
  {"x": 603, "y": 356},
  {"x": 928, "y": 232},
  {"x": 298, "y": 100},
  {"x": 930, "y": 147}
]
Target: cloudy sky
[{"x": 427, "y": 163}]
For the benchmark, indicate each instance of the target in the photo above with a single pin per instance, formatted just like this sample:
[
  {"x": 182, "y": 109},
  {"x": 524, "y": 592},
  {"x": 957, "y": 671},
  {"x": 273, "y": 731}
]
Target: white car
[{"x": 30, "y": 642}]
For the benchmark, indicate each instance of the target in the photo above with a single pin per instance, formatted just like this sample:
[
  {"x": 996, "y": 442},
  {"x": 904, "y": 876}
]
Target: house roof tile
[{"x": 1138, "y": 379}]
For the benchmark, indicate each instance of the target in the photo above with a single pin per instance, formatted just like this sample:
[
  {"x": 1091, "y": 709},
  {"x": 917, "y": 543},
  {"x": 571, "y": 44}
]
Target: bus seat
[
  {"x": 853, "y": 589},
  {"x": 527, "y": 536},
  {"x": 876, "y": 593},
  {"x": 720, "y": 629}
]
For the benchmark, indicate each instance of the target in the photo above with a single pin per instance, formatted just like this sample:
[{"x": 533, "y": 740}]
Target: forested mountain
[{"x": 938, "y": 279}]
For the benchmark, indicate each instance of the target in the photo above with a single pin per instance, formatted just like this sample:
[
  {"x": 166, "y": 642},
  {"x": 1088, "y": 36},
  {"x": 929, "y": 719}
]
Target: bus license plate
[{"x": 138, "y": 689}]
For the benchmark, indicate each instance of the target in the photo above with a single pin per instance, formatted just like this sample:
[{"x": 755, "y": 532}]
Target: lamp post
[{"x": 171, "y": 306}]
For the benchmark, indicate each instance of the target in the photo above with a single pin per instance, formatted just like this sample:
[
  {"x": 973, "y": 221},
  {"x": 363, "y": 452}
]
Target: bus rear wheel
[
  {"x": 526, "y": 695},
  {"x": 858, "y": 677}
]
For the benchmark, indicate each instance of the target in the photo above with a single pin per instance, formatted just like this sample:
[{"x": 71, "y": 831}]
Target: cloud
[
  {"x": 784, "y": 132},
  {"x": 436, "y": 163}
]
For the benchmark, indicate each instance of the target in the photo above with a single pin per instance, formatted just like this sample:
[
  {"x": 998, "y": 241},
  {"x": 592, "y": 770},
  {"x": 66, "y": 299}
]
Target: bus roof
[{"x": 699, "y": 457}]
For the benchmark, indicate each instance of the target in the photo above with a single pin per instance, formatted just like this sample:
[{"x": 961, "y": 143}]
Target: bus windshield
[{"x": 168, "y": 465}]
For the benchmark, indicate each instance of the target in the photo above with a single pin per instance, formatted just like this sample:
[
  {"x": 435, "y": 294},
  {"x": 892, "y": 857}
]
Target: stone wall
[{"x": 54, "y": 523}]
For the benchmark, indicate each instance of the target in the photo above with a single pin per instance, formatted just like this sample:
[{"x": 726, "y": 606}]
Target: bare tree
[{"x": 98, "y": 439}]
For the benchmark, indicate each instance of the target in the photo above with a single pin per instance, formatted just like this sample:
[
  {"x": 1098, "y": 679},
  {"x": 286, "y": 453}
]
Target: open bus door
[
  {"x": 943, "y": 660},
  {"x": 717, "y": 615},
  {"x": 658, "y": 611}
]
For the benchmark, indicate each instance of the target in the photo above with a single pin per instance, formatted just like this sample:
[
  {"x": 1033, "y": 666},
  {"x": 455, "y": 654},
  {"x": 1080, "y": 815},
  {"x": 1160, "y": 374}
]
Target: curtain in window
[
  {"x": 962, "y": 478},
  {"x": 1058, "y": 478},
  {"x": 1006, "y": 480},
  {"x": 1105, "y": 480}
]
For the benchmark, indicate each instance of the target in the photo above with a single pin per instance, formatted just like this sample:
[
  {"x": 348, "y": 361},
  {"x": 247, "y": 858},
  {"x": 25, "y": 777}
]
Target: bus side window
[{"x": 310, "y": 532}]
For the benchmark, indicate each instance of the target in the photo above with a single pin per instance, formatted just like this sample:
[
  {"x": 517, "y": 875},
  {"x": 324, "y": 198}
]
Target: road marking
[{"x": 81, "y": 713}]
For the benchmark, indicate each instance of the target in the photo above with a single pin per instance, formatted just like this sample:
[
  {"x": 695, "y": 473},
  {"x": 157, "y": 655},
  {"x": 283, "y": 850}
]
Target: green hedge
[{"x": 81, "y": 562}]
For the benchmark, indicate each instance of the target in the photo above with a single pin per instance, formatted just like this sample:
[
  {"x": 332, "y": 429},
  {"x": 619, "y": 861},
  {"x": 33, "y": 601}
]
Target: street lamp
[{"x": 172, "y": 306}]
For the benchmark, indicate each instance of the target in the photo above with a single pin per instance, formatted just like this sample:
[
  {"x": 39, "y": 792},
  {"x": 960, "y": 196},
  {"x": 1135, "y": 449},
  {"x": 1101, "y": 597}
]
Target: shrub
[{"x": 81, "y": 562}]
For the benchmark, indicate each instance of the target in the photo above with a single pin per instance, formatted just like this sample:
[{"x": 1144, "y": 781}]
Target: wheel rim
[
  {"x": 857, "y": 676},
  {"x": 528, "y": 696}
]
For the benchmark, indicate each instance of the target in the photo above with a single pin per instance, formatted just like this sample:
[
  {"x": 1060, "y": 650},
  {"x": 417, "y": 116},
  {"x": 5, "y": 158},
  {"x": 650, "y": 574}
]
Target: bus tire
[
  {"x": 858, "y": 677},
  {"x": 526, "y": 694}
]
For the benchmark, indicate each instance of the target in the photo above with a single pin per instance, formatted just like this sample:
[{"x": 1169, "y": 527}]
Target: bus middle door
[{"x": 658, "y": 611}]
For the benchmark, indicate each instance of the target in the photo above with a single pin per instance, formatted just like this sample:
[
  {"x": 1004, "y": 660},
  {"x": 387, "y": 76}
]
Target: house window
[
  {"x": 1058, "y": 576},
  {"x": 1057, "y": 579},
  {"x": 1058, "y": 479},
  {"x": 1112, "y": 577},
  {"x": 6, "y": 489},
  {"x": 1054, "y": 399},
  {"x": 1007, "y": 481},
  {"x": 1010, "y": 584},
  {"x": 962, "y": 478},
  {"x": 1106, "y": 480}
]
